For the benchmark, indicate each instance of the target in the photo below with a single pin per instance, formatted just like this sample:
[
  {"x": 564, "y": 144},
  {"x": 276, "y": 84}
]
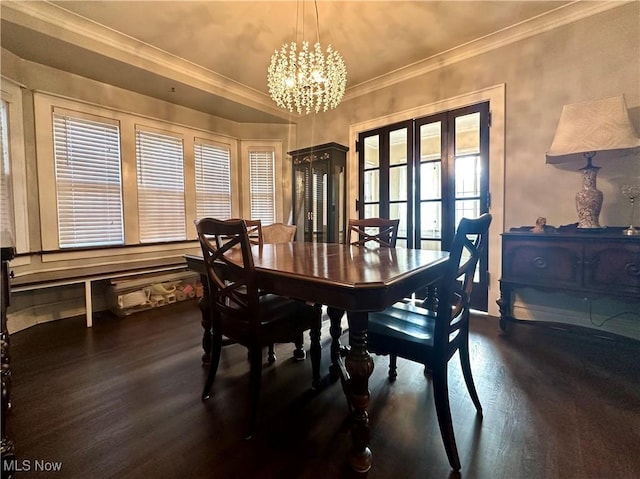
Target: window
[
  {"x": 14, "y": 208},
  {"x": 7, "y": 226},
  {"x": 88, "y": 185},
  {"x": 213, "y": 180},
  {"x": 161, "y": 205},
  {"x": 261, "y": 184}
]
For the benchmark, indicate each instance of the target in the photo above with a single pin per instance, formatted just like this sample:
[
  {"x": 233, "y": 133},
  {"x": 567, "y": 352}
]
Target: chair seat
[
  {"x": 280, "y": 318},
  {"x": 404, "y": 321}
]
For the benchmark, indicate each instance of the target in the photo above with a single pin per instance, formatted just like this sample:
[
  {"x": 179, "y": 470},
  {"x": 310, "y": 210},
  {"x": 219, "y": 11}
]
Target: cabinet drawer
[
  {"x": 541, "y": 263},
  {"x": 614, "y": 267}
]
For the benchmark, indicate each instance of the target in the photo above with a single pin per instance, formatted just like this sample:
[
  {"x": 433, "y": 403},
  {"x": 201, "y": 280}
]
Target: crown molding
[
  {"x": 67, "y": 26},
  {"x": 545, "y": 22},
  {"x": 55, "y": 21}
]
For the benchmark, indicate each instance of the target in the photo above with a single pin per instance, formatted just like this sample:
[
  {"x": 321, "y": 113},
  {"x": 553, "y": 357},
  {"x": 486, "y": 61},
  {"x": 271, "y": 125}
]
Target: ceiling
[{"x": 213, "y": 55}]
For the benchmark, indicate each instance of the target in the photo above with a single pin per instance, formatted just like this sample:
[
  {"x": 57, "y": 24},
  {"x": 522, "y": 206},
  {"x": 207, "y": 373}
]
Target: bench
[{"x": 39, "y": 280}]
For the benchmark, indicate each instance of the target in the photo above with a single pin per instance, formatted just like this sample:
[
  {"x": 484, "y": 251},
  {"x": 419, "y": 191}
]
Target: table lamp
[{"x": 600, "y": 129}]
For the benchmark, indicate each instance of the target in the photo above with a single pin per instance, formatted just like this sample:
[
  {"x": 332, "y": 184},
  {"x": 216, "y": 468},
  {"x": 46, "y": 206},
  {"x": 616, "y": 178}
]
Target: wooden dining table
[{"x": 343, "y": 277}]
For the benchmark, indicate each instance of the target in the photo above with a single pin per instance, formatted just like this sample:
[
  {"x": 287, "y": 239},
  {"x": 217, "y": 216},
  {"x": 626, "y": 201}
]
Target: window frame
[
  {"x": 282, "y": 176},
  {"x": 213, "y": 144},
  {"x": 78, "y": 117},
  {"x": 141, "y": 131},
  {"x": 11, "y": 93}
]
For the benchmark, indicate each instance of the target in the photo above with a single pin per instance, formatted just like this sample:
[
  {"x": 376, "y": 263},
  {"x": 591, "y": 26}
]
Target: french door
[{"x": 429, "y": 172}]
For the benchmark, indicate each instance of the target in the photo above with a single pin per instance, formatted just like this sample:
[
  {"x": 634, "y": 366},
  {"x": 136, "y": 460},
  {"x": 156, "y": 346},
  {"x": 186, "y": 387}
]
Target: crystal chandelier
[{"x": 305, "y": 79}]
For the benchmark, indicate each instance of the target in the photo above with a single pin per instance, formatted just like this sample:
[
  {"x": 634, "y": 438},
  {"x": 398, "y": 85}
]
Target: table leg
[
  {"x": 206, "y": 320},
  {"x": 335, "y": 317},
  {"x": 359, "y": 365}
]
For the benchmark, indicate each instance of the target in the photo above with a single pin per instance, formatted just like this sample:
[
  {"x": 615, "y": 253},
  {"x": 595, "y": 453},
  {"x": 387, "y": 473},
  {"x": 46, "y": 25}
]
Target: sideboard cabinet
[
  {"x": 320, "y": 192},
  {"x": 587, "y": 264}
]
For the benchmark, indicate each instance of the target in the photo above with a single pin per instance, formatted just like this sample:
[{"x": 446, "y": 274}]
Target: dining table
[{"x": 345, "y": 278}]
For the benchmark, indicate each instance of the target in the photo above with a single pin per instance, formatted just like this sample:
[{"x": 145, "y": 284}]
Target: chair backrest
[
  {"x": 278, "y": 233},
  {"x": 382, "y": 231},
  {"x": 226, "y": 249},
  {"x": 454, "y": 291},
  {"x": 254, "y": 230}
]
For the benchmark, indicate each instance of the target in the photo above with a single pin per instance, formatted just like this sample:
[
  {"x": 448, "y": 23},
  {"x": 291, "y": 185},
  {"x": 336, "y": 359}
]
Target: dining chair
[
  {"x": 244, "y": 314},
  {"x": 382, "y": 231},
  {"x": 281, "y": 233},
  {"x": 433, "y": 337},
  {"x": 278, "y": 233},
  {"x": 256, "y": 233},
  {"x": 254, "y": 230}
]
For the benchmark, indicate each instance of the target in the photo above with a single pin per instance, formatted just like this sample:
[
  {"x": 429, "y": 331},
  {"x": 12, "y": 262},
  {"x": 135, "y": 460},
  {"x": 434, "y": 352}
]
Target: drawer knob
[
  {"x": 633, "y": 269},
  {"x": 540, "y": 262}
]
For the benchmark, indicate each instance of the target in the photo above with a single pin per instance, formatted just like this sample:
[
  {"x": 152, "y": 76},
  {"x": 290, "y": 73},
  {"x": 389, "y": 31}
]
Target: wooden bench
[{"x": 39, "y": 280}]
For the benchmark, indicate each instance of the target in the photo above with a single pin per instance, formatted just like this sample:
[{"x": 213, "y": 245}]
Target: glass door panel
[
  {"x": 431, "y": 180},
  {"x": 399, "y": 210},
  {"x": 319, "y": 218},
  {"x": 302, "y": 200},
  {"x": 372, "y": 211},
  {"x": 467, "y": 133},
  {"x": 430, "y": 183},
  {"x": 429, "y": 173},
  {"x": 370, "y": 190},
  {"x": 399, "y": 181},
  {"x": 386, "y": 172},
  {"x": 431, "y": 220}
]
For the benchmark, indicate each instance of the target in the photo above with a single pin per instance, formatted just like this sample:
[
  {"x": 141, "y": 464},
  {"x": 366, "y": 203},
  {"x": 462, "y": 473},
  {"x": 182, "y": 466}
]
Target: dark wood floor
[{"x": 123, "y": 400}]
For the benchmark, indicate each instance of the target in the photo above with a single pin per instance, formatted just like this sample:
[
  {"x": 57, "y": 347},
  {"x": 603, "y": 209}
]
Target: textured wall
[{"x": 592, "y": 58}]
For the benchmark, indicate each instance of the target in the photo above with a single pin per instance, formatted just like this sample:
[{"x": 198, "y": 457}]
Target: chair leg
[
  {"x": 271, "y": 356},
  {"x": 314, "y": 334},
  {"x": 216, "y": 347},
  {"x": 298, "y": 353},
  {"x": 443, "y": 411},
  {"x": 335, "y": 318},
  {"x": 393, "y": 367},
  {"x": 255, "y": 378},
  {"x": 468, "y": 377}
]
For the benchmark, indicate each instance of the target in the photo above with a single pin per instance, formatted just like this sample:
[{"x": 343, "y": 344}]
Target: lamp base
[
  {"x": 589, "y": 199},
  {"x": 631, "y": 231}
]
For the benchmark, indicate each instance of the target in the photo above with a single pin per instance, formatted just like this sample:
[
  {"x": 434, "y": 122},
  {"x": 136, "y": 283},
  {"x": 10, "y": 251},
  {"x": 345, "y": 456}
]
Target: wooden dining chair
[
  {"x": 244, "y": 314},
  {"x": 433, "y": 337},
  {"x": 278, "y": 233},
  {"x": 273, "y": 234},
  {"x": 382, "y": 231},
  {"x": 256, "y": 233},
  {"x": 254, "y": 230}
]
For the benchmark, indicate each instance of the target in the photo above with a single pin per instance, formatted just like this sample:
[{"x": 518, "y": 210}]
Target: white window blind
[
  {"x": 88, "y": 182},
  {"x": 213, "y": 181},
  {"x": 261, "y": 183},
  {"x": 7, "y": 228},
  {"x": 161, "y": 205}
]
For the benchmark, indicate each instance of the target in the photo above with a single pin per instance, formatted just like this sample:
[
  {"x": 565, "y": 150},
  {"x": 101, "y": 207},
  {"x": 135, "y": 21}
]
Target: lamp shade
[{"x": 600, "y": 126}]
